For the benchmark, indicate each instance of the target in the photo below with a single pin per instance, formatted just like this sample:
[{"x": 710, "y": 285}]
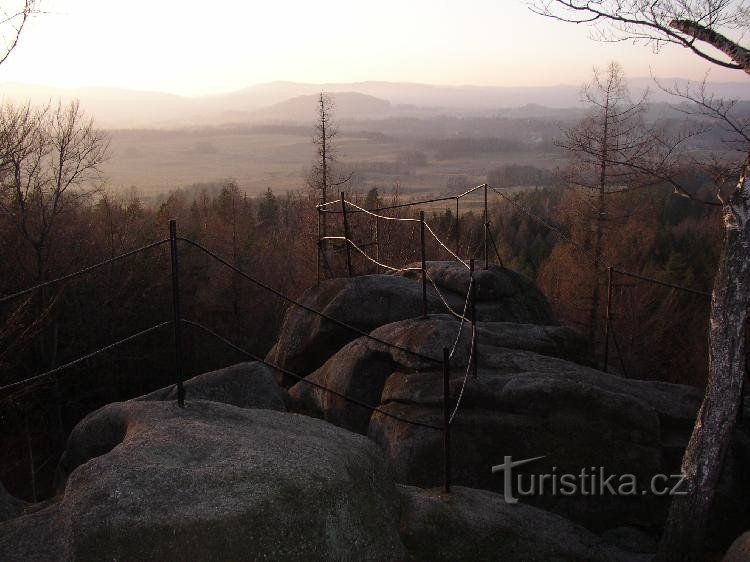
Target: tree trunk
[{"x": 684, "y": 534}]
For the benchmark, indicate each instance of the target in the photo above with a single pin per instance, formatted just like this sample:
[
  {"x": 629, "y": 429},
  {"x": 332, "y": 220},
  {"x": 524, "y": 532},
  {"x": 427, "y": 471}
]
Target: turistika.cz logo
[{"x": 590, "y": 481}]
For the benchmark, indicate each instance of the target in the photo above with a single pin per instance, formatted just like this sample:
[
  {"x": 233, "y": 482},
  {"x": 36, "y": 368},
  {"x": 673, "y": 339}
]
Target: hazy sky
[{"x": 198, "y": 47}]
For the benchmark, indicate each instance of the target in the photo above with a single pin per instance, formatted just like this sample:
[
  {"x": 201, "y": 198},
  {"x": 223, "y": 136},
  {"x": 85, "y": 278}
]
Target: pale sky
[{"x": 193, "y": 47}]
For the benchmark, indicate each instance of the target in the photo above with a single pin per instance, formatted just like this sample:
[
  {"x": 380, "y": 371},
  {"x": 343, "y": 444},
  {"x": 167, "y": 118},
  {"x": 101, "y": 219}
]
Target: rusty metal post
[
  {"x": 446, "y": 421},
  {"x": 473, "y": 298},
  {"x": 346, "y": 235},
  {"x": 176, "y": 316},
  {"x": 30, "y": 448},
  {"x": 607, "y": 318},
  {"x": 457, "y": 237},
  {"x": 424, "y": 264},
  {"x": 320, "y": 249},
  {"x": 377, "y": 244},
  {"x": 486, "y": 230}
]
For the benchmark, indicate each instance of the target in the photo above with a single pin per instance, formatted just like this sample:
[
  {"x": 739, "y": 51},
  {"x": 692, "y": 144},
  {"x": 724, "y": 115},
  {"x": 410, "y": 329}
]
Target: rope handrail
[
  {"x": 663, "y": 283},
  {"x": 399, "y": 206},
  {"x": 81, "y": 271},
  {"x": 84, "y": 357},
  {"x": 442, "y": 297},
  {"x": 469, "y": 191},
  {"x": 463, "y": 318},
  {"x": 402, "y": 205},
  {"x": 451, "y": 252},
  {"x": 366, "y": 255},
  {"x": 466, "y": 376},
  {"x": 321, "y": 205},
  {"x": 384, "y": 217},
  {"x": 307, "y": 308},
  {"x": 305, "y": 380}
]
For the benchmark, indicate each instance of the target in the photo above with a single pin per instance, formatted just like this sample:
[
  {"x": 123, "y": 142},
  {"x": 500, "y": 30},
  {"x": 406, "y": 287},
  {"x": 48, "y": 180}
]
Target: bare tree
[
  {"x": 323, "y": 138},
  {"x": 49, "y": 159},
  {"x": 49, "y": 162},
  {"x": 703, "y": 27},
  {"x": 13, "y": 18},
  {"x": 604, "y": 143}
]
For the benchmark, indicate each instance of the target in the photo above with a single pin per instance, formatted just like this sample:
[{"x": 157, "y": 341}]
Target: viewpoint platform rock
[
  {"x": 470, "y": 524},
  {"x": 245, "y": 385},
  {"x": 366, "y": 302},
  {"x": 151, "y": 481},
  {"x": 532, "y": 397}
]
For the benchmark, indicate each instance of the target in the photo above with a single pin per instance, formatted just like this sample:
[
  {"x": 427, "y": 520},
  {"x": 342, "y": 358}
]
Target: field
[{"x": 157, "y": 161}]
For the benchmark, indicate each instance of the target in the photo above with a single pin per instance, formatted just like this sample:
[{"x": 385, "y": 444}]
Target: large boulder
[
  {"x": 531, "y": 398},
  {"x": 307, "y": 340},
  {"x": 360, "y": 369},
  {"x": 470, "y": 524},
  {"x": 151, "y": 481},
  {"x": 502, "y": 295},
  {"x": 10, "y": 506},
  {"x": 739, "y": 551},
  {"x": 246, "y": 385}
]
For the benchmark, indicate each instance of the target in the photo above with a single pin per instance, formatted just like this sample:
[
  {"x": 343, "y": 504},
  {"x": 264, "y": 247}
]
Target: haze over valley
[{"x": 420, "y": 137}]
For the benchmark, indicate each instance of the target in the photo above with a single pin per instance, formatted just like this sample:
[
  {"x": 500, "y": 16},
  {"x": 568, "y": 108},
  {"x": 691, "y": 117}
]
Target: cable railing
[
  {"x": 178, "y": 322},
  {"x": 468, "y": 314}
]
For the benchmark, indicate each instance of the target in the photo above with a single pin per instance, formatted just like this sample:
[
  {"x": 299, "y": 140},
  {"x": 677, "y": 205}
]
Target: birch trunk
[{"x": 684, "y": 534}]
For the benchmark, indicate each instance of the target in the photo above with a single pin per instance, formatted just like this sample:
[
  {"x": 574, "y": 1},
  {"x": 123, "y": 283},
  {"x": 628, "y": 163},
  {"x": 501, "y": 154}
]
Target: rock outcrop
[
  {"x": 150, "y": 481},
  {"x": 245, "y": 385},
  {"x": 532, "y": 397},
  {"x": 470, "y": 524},
  {"x": 502, "y": 295},
  {"x": 366, "y": 302},
  {"x": 739, "y": 551},
  {"x": 10, "y": 506}
]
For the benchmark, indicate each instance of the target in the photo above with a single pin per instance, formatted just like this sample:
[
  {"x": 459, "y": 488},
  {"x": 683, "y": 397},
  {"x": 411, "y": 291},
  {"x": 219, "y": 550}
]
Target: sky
[{"x": 195, "y": 48}]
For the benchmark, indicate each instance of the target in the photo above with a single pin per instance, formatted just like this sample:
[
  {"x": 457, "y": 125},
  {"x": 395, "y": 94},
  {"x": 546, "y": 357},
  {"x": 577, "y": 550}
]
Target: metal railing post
[
  {"x": 607, "y": 318},
  {"x": 424, "y": 265},
  {"x": 446, "y": 421},
  {"x": 320, "y": 249},
  {"x": 458, "y": 251},
  {"x": 377, "y": 244},
  {"x": 346, "y": 235},
  {"x": 486, "y": 229},
  {"x": 176, "y": 316},
  {"x": 473, "y": 298}
]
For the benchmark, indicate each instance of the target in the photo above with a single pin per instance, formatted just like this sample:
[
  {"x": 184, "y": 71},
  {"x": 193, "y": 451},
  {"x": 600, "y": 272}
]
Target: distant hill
[
  {"x": 294, "y": 102},
  {"x": 347, "y": 105}
]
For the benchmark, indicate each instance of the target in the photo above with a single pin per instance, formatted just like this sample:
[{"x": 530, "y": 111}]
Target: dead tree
[{"x": 603, "y": 144}]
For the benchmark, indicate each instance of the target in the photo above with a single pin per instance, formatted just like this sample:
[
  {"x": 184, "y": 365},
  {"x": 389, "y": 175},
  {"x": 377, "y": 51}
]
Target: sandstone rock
[
  {"x": 529, "y": 400},
  {"x": 630, "y": 539},
  {"x": 246, "y": 385},
  {"x": 470, "y": 524},
  {"x": 10, "y": 506},
  {"x": 212, "y": 481},
  {"x": 740, "y": 549},
  {"x": 307, "y": 340},
  {"x": 502, "y": 295},
  {"x": 366, "y": 302}
]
